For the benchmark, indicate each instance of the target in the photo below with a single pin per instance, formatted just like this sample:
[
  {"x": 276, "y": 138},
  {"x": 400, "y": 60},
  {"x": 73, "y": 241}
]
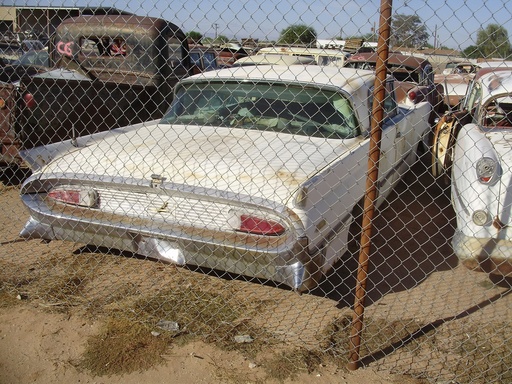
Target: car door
[{"x": 393, "y": 144}]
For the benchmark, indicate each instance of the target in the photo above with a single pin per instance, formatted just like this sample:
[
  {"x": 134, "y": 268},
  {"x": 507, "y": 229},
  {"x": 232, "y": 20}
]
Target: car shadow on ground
[{"x": 411, "y": 238}]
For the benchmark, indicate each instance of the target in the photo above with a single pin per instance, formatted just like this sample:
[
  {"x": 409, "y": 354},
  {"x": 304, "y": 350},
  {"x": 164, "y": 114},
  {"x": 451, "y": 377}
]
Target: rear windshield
[{"x": 271, "y": 107}]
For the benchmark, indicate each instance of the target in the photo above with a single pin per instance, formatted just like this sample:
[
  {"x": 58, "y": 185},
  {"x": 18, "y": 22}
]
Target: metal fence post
[{"x": 371, "y": 181}]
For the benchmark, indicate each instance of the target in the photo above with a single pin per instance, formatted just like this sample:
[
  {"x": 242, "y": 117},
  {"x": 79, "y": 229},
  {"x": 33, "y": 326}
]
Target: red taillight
[
  {"x": 29, "y": 100},
  {"x": 252, "y": 224},
  {"x": 67, "y": 196},
  {"x": 412, "y": 96},
  {"x": 86, "y": 198}
]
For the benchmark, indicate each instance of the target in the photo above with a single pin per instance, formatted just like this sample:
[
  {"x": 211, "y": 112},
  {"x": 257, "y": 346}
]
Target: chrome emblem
[{"x": 156, "y": 181}]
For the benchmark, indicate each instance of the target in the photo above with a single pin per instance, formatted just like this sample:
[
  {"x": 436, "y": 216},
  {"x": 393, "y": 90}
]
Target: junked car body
[
  {"x": 455, "y": 80},
  {"x": 256, "y": 173},
  {"x": 29, "y": 64},
  {"x": 416, "y": 77},
  {"x": 480, "y": 159},
  {"x": 448, "y": 126},
  {"x": 107, "y": 71},
  {"x": 203, "y": 59}
]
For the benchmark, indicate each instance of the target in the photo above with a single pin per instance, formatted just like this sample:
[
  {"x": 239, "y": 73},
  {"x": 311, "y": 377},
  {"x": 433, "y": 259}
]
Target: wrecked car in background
[
  {"x": 475, "y": 147},
  {"x": 322, "y": 56},
  {"x": 28, "y": 64},
  {"x": 109, "y": 71},
  {"x": 455, "y": 79},
  {"x": 257, "y": 173},
  {"x": 416, "y": 77},
  {"x": 203, "y": 59},
  {"x": 448, "y": 126}
]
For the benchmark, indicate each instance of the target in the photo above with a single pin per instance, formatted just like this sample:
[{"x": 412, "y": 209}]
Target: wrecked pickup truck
[{"x": 110, "y": 71}]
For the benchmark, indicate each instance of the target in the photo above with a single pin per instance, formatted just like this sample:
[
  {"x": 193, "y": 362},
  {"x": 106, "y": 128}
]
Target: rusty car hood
[{"x": 262, "y": 164}]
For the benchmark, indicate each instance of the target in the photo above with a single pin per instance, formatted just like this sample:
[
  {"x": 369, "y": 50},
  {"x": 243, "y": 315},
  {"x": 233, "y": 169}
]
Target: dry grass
[
  {"x": 123, "y": 346},
  {"x": 288, "y": 364},
  {"x": 126, "y": 343}
]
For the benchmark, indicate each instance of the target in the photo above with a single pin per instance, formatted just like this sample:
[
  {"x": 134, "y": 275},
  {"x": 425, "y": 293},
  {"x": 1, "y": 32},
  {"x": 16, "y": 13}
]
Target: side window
[
  {"x": 117, "y": 47},
  {"x": 195, "y": 58},
  {"x": 390, "y": 105},
  {"x": 175, "y": 53},
  {"x": 102, "y": 46},
  {"x": 210, "y": 61},
  {"x": 473, "y": 98},
  {"x": 428, "y": 76},
  {"x": 92, "y": 47}
]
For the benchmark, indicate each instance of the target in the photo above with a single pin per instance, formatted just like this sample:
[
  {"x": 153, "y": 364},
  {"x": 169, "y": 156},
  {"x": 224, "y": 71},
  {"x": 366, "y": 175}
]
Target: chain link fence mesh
[{"x": 242, "y": 230}]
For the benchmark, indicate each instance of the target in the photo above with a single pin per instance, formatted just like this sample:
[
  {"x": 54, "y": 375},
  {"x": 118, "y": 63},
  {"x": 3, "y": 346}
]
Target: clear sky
[{"x": 451, "y": 23}]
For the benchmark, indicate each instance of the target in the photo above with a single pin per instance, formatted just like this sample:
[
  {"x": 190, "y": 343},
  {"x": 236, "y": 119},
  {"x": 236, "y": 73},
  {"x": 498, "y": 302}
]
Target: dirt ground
[
  {"x": 37, "y": 347},
  {"x": 427, "y": 319}
]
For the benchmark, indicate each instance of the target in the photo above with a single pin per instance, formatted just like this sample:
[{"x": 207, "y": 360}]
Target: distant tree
[
  {"x": 472, "y": 52},
  {"x": 493, "y": 41},
  {"x": 221, "y": 39},
  {"x": 370, "y": 36},
  {"x": 408, "y": 31},
  {"x": 207, "y": 40},
  {"x": 298, "y": 34},
  {"x": 195, "y": 36}
]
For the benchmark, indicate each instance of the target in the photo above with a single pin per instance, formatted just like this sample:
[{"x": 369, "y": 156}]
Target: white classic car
[
  {"x": 254, "y": 170},
  {"x": 482, "y": 176},
  {"x": 476, "y": 146}
]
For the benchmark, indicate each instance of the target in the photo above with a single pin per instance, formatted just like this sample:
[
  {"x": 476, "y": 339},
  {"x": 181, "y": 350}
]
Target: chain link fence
[{"x": 237, "y": 207}]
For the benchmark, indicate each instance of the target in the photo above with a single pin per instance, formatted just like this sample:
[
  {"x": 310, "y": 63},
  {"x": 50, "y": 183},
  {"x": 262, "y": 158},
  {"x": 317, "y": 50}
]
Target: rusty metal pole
[{"x": 371, "y": 182}]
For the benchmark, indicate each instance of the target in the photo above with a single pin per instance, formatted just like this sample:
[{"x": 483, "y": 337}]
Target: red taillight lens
[
  {"x": 68, "y": 196},
  {"x": 252, "y": 224},
  {"x": 29, "y": 100},
  {"x": 86, "y": 198},
  {"x": 412, "y": 96}
]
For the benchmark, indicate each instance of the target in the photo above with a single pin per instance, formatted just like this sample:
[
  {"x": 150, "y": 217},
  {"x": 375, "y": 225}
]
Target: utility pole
[
  {"x": 435, "y": 37},
  {"x": 215, "y": 25}
]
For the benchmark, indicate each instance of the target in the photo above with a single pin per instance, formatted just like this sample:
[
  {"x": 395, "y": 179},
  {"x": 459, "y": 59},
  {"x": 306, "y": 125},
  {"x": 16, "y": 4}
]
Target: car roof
[
  {"x": 269, "y": 59},
  {"x": 496, "y": 83},
  {"x": 347, "y": 78},
  {"x": 393, "y": 59},
  {"x": 484, "y": 71},
  {"x": 301, "y": 51},
  {"x": 146, "y": 25},
  {"x": 495, "y": 64}
]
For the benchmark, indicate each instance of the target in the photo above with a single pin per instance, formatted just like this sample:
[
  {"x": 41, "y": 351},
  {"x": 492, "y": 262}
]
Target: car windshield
[{"x": 271, "y": 107}]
